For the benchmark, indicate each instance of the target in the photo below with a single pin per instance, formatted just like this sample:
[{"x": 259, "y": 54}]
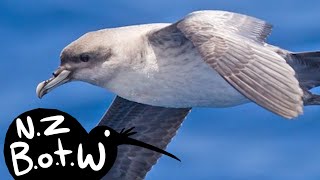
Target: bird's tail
[{"x": 307, "y": 68}]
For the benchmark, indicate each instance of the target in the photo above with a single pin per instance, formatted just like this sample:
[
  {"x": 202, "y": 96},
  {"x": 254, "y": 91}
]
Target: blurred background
[{"x": 244, "y": 142}]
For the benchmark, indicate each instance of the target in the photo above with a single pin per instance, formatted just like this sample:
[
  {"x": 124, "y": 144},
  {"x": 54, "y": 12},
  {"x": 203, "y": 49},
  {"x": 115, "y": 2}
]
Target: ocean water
[{"x": 243, "y": 142}]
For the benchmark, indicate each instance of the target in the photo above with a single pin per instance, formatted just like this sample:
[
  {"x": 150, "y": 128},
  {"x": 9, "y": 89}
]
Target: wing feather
[
  {"x": 155, "y": 125},
  {"x": 234, "y": 46}
]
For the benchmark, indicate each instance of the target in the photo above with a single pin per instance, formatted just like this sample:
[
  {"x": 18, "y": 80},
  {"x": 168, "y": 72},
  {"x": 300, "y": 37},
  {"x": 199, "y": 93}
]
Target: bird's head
[{"x": 91, "y": 58}]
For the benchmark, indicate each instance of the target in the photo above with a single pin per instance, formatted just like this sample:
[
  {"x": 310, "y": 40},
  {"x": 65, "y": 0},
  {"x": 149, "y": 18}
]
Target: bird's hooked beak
[{"x": 60, "y": 76}]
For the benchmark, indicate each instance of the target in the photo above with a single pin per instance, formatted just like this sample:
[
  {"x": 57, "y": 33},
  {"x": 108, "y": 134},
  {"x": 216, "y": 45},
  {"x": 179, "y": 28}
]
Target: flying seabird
[{"x": 160, "y": 71}]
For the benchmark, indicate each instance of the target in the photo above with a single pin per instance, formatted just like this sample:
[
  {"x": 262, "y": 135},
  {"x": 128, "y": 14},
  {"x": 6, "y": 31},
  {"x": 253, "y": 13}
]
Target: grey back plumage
[{"x": 234, "y": 46}]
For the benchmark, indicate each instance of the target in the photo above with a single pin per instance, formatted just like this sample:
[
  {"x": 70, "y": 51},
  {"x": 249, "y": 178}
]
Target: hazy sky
[{"x": 245, "y": 142}]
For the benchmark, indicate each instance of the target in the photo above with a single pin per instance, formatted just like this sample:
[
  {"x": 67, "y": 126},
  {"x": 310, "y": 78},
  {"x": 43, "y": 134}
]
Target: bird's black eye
[{"x": 84, "y": 57}]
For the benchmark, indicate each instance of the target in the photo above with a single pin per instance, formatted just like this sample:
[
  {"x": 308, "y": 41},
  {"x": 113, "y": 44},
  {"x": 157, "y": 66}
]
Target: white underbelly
[{"x": 186, "y": 84}]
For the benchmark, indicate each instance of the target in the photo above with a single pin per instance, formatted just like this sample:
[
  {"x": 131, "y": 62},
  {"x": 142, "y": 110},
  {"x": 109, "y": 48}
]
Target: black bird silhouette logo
[{"x": 51, "y": 144}]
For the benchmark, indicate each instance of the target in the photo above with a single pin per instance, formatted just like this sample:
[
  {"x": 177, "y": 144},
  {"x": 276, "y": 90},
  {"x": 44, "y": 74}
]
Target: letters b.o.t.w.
[
  {"x": 44, "y": 143},
  {"x": 50, "y": 144}
]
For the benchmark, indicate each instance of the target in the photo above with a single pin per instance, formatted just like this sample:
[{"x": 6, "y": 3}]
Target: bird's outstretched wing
[
  {"x": 154, "y": 125},
  {"x": 234, "y": 46}
]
